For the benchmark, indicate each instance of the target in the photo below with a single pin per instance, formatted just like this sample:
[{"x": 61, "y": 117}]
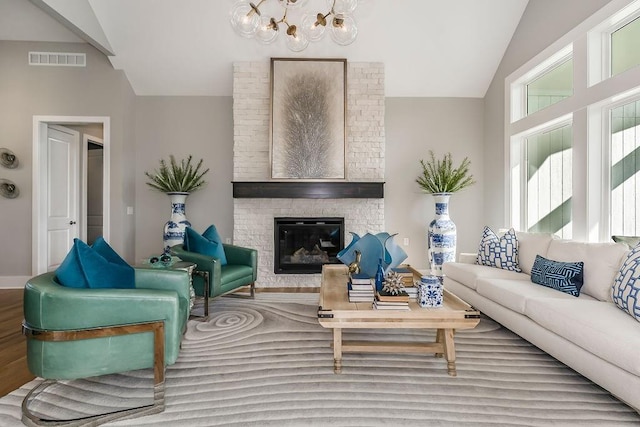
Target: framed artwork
[{"x": 308, "y": 118}]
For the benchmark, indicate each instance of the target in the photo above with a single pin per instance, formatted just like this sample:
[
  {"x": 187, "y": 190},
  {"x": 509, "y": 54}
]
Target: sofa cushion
[
  {"x": 565, "y": 277},
  {"x": 500, "y": 252},
  {"x": 599, "y": 327},
  {"x": 103, "y": 248},
  {"x": 530, "y": 245},
  {"x": 205, "y": 244},
  {"x": 211, "y": 234},
  {"x": 84, "y": 267},
  {"x": 513, "y": 294},
  {"x": 626, "y": 286},
  {"x": 601, "y": 263},
  {"x": 468, "y": 274}
]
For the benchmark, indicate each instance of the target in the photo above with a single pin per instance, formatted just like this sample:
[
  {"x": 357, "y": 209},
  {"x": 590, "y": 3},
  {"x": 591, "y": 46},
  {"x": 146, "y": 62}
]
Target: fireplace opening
[{"x": 303, "y": 245}]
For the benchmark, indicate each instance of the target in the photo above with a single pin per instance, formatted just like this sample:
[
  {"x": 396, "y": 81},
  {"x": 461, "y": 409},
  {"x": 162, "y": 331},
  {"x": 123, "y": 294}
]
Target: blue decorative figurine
[{"x": 379, "y": 275}]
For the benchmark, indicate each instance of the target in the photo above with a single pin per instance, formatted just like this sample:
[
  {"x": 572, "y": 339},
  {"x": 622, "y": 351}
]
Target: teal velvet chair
[
  {"x": 75, "y": 333},
  {"x": 241, "y": 270}
]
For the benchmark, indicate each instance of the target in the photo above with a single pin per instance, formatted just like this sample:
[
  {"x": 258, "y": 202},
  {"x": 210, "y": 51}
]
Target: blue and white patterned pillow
[
  {"x": 626, "y": 286},
  {"x": 566, "y": 277},
  {"x": 500, "y": 252}
]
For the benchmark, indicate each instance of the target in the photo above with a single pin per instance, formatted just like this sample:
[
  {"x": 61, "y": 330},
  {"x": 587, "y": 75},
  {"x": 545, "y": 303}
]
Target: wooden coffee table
[{"x": 337, "y": 313}]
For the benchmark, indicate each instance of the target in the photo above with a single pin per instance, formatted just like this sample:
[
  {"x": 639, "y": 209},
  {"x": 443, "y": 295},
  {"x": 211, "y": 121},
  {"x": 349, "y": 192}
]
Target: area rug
[{"x": 267, "y": 362}]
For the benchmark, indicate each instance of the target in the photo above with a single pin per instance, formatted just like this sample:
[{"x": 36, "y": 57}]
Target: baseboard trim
[
  {"x": 313, "y": 290},
  {"x": 13, "y": 282}
]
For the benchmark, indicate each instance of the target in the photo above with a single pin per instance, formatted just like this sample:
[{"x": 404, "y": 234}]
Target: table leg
[
  {"x": 450, "y": 352},
  {"x": 337, "y": 350},
  {"x": 439, "y": 340}
]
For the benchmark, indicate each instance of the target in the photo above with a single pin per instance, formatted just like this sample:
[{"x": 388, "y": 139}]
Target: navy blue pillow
[
  {"x": 85, "y": 267},
  {"x": 566, "y": 277}
]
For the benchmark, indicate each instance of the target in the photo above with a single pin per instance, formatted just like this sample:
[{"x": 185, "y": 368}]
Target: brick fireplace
[{"x": 365, "y": 162}]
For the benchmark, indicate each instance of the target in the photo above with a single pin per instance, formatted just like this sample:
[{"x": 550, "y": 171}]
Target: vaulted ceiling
[{"x": 430, "y": 48}]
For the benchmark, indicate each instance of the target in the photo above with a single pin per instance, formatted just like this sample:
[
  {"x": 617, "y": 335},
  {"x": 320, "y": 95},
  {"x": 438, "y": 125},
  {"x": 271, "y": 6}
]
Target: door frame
[
  {"x": 39, "y": 187},
  {"x": 86, "y": 139}
]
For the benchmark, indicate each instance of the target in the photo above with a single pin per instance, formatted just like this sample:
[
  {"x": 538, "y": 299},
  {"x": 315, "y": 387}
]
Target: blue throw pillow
[
  {"x": 499, "y": 252},
  {"x": 103, "y": 248},
  {"x": 209, "y": 243},
  {"x": 566, "y": 277},
  {"x": 626, "y": 286},
  {"x": 84, "y": 267}
]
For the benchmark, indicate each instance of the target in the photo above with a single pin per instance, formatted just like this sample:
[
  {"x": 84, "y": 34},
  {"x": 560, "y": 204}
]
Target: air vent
[{"x": 58, "y": 59}]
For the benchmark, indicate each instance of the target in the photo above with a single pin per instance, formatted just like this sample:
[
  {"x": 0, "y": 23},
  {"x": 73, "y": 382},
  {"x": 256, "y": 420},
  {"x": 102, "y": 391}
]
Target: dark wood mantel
[{"x": 308, "y": 190}]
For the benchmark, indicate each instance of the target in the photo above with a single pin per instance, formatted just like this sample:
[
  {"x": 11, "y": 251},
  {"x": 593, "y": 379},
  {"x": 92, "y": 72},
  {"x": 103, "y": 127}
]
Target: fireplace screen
[{"x": 303, "y": 245}]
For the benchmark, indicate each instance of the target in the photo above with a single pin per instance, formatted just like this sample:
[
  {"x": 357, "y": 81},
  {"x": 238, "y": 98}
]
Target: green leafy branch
[
  {"x": 177, "y": 177},
  {"x": 439, "y": 176}
]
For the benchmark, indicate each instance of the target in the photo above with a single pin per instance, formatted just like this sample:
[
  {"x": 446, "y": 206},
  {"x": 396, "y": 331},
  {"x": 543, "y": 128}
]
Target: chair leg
[
  {"x": 252, "y": 289},
  {"x": 157, "y": 328},
  {"x": 30, "y": 419}
]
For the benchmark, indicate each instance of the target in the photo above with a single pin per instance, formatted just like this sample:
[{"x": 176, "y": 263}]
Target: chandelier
[{"x": 262, "y": 20}]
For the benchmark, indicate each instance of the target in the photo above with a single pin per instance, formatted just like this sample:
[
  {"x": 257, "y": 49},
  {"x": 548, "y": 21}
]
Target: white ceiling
[{"x": 430, "y": 48}]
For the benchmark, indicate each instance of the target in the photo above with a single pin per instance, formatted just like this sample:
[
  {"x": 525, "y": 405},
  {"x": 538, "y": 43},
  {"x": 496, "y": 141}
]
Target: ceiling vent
[{"x": 58, "y": 59}]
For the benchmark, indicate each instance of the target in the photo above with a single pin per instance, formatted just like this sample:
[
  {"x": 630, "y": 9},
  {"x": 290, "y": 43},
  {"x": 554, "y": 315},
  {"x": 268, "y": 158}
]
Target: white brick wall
[{"x": 253, "y": 218}]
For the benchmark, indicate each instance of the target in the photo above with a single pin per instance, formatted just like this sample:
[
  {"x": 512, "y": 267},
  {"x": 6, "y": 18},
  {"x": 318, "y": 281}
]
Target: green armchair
[
  {"x": 76, "y": 333},
  {"x": 241, "y": 270}
]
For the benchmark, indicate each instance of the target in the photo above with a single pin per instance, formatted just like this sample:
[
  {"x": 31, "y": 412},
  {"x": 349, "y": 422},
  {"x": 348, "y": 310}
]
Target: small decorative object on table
[
  {"x": 379, "y": 278},
  {"x": 393, "y": 284},
  {"x": 162, "y": 261},
  {"x": 429, "y": 291},
  {"x": 366, "y": 252}
]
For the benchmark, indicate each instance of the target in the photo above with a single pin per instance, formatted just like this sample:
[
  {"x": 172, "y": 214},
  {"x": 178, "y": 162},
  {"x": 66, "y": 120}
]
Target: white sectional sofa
[{"x": 589, "y": 333}]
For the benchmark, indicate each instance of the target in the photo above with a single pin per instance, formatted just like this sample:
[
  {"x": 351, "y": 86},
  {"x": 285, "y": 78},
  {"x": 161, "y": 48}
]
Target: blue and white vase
[
  {"x": 174, "y": 229},
  {"x": 441, "y": 237},
  {"x": 430, "y": 292}
]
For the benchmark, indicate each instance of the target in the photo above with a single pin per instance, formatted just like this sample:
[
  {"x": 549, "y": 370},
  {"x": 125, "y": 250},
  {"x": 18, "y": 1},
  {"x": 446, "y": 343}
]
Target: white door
[{"x": 62, "y": 205}]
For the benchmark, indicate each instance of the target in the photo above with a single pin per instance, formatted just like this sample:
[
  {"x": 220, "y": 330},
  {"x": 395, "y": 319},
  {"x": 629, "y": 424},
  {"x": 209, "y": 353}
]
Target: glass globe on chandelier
[{"x": 252, "y": 20}]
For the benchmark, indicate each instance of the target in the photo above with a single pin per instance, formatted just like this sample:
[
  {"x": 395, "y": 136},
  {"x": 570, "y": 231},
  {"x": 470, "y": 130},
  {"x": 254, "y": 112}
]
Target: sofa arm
[
  {"x": 48, "y": 305},
  {"x": 238, "y": 255},
  {"x": 203, "y": 262},
  {"x": 467, "y": 258},
  {"x": 163, "y": 279}
]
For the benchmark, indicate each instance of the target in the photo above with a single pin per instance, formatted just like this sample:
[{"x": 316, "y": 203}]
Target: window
[
  {"x": 625, "y": 47},
  {"x": 574, "y": 169},
  {"x": 624, "y": 167},
  {"x": 551, "y": 87},
  {"x": 549, "y": 181}
]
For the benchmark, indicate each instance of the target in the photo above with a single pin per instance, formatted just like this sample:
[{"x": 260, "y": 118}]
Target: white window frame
[
  {"x": 603, "y": 154},
  {"x": 587, "y": 108},
  {"x": 599, "y": 44},
  {"x": 519, "y": 88},
  {"x": 518, "y": 175}
]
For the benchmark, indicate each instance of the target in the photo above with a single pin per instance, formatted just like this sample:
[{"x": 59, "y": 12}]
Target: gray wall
[
  {"x": 201, "y": 126},
  {"x": 543, "y": 22},
  {"x": 413, "y": 127},
  {"x": 25, "y": 91}
]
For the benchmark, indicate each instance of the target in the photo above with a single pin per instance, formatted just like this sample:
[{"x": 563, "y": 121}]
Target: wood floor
[{"x": 13, "y": 359}]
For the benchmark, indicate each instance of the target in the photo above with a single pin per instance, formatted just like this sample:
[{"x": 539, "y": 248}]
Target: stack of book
[
  {"x": 386, "y": 301},
  {"x": 361, "y": 288},
  {"x": 412, "y": 291}
]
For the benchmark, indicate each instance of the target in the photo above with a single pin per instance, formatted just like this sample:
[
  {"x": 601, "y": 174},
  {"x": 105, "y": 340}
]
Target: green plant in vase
[
  {"x": 177, "y": 179},
  {"x": 441, "y": 178}
]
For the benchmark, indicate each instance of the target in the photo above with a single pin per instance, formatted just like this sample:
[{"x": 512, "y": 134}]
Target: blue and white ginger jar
[{"x": 174, "y": 229}]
